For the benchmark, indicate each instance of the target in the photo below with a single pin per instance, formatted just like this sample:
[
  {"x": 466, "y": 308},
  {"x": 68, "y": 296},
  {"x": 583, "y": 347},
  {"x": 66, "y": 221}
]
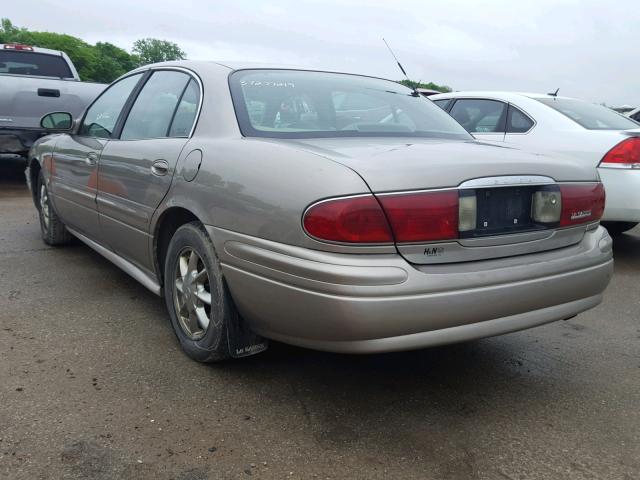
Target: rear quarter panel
[{"x": 259, "y": 188}]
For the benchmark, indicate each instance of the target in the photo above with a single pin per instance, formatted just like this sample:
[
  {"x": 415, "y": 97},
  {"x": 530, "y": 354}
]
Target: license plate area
[{"x": 502, "y": 210}]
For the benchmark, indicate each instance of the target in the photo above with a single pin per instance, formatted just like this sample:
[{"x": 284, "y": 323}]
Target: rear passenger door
[
  {"x": 485, "y": 119},
  {"x": 137, "y": 167}
]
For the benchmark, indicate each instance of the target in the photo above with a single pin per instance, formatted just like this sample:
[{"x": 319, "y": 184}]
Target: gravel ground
[{"x": 93, "y": 385}]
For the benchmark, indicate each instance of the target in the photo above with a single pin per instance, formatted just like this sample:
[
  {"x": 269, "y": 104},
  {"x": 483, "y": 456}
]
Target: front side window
[
  {"x": 589, "y": 115},
  {"x": 154, "y": 108},
  {"x": 101, "y": 118},
  {"x": 33, "y": 63},
  {"x": 479, "y": 115},
  {"x": 517, "y": 121},
  {"x": 307, "y": 104}
]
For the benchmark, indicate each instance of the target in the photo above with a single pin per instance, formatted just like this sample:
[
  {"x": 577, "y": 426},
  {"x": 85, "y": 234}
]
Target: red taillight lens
[
  {"x": 351, "y": 220},
  {"x": 424, "y": 216},
  {"x": 581, "y": 203},
  {"x": 626, "y": 154},
  {"x": 18, "y": 46}
]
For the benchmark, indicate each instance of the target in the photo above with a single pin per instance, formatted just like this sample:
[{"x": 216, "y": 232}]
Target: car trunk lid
[{"x": 501, "y": 180}]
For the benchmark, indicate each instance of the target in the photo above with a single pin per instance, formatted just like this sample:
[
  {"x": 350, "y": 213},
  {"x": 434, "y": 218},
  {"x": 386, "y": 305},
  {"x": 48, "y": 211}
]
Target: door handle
[
  {"x": 160, "y": 168},
  {"x": 91, "y": 158}
]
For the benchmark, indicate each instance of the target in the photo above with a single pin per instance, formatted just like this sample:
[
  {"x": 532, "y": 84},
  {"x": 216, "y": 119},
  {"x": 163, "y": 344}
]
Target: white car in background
[{"x": 539, "y": 122}]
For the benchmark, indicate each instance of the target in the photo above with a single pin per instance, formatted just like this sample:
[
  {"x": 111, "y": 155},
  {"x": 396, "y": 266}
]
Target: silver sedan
[{"x": 332, "y": 211}]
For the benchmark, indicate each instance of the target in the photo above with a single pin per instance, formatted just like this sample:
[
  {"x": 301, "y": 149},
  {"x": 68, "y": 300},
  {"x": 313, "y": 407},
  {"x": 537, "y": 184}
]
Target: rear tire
[
  {"x": 52, "y": 228},
  {"x": 196, "y": 295},
  {"x": 618, "y": 228}
]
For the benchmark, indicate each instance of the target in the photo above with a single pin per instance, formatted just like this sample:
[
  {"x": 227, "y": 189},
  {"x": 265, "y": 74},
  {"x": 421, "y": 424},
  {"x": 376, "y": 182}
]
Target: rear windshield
[
  {"x": 306, "y": 104},
  {"x": 590, "y": 115},
  {"x": 31, "y": 63}
]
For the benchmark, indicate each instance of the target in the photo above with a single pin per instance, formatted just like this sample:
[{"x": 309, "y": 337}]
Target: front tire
[
  {"x": 52, "y": 228},
  {"x": 618, "y": 228},
  {"x": 196, "y": 295}
]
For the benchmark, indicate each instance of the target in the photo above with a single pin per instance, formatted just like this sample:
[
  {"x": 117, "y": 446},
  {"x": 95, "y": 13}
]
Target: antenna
[
  {"x": 415, "y": 88},
  {"x": 554, "y": 94}
]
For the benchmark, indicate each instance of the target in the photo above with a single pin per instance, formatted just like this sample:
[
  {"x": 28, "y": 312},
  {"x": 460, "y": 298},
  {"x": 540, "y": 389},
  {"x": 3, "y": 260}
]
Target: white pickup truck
[{"x": 34, "y": 82}]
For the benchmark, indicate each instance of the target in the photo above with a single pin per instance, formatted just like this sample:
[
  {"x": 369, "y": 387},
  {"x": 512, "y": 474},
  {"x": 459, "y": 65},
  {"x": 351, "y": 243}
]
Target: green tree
[
  {"x": 102, "y": 62},
  {"x": 430, "y": 85},
  {"x": 110, "y": 62},
  {"x": 152, "y": 50}
]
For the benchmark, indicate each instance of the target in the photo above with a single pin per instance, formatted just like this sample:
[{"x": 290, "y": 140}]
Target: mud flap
[{"x": 243, "y": 341}]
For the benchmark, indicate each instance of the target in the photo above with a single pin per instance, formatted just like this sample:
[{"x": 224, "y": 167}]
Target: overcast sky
[{"x": 589, "y": 49}]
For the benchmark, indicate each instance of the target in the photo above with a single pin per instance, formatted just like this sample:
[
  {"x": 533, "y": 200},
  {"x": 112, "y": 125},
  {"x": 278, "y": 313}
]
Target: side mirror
[{"x": 57, "y": 121}]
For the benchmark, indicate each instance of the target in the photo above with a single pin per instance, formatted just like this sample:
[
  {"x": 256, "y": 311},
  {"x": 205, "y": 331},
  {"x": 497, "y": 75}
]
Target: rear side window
[
  {"x": 479, "y": 115},
  {"x": 589, "y": 115},
  {"x": 442, "y": 103},
  {"x": 102, "y": 116},
  {"x": 31, "y": 63},
  {"x": 186, "y": 112},
  {"x": 154, "y": 108},
  {"x": 517, "y": 121}
]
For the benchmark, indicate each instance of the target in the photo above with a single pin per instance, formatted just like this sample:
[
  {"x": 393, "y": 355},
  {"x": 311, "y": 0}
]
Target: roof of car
[
  {"x": 495, "y": 94},
  {"x": 239, "y": 65}
]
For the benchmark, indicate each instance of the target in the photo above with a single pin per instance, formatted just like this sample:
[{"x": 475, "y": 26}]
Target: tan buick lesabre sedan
[{"x": 327, "y": 210}]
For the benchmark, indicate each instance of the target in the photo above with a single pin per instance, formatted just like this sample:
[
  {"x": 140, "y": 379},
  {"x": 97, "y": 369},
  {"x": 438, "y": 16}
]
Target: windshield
[
  {"x": 306, "y": 104},
  {"x": 31, "y": 63},
  {"x": 590, "y": 115}
]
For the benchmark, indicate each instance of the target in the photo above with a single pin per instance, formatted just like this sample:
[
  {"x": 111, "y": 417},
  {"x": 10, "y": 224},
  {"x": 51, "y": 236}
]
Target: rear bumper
[
  {"x": 18, "y": 141},
  {"x": 378, "y": 303},
  {"x": 623, "y": 194}
]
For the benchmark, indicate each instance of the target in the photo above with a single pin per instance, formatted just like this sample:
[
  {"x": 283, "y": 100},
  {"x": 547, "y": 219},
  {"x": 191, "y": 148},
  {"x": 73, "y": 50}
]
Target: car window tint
[
  {"x": 102, "y": 116},
  {"x": 589, "y": 115},
  {"x": 186, "y": 111},
  {"x": 153, "y": 110},
  {"x": 33, "y": 63},
  {"x": 518, "y": 122},
  {"x": 442, "y": 103},
  {"x": 480, "y": 116}
]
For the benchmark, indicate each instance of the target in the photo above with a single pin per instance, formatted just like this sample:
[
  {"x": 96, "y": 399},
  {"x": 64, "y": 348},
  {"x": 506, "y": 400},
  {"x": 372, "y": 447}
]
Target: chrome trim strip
[
  {"x": 120, "y": 262},
  {"x": 620, "y": 166},
  {"x": 507, "y": 181}
]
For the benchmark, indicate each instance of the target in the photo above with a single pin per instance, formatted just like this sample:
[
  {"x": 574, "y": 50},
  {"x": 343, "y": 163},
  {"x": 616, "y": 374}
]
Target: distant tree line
[
  {"x": 102, "y": 62},
  {"x": 430, "y": 85}
]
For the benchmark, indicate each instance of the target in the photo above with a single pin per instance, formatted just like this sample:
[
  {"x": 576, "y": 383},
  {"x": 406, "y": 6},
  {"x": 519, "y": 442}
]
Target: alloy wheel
[
  {"x": 192, "y": 294},
  {"x": 44, "y": 206}
]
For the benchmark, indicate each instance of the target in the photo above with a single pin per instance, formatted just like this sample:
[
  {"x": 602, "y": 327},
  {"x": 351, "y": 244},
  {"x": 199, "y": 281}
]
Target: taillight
[
  {"x": 423, "y": 216},
  {"x": 18, "y": 46},
  {"x": 581, "y": 203},
  {"x": 350, "y": 220},
  {"x": 451, "y": 214},
  {"x": 626, "y": 154}
]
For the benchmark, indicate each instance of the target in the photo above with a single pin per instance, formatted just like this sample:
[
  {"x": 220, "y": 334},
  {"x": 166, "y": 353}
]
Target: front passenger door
[
  {"x": 483, "y": 118},
  {"x": 136, "y": 169}
]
